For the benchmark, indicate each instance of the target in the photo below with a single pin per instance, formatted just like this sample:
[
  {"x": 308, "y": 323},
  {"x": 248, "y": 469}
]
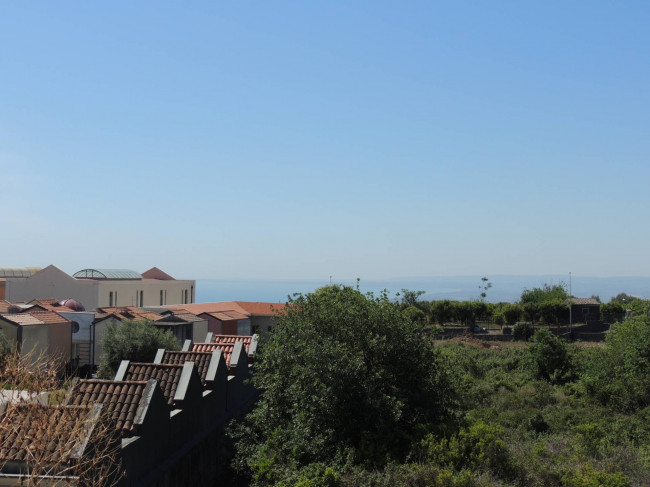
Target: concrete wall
[
  {"x": 35, "y": 342},
  {"x": 128, "y": 292},
  {"x": 60, "y": 342},
  {"x": 10, "y": 332}
]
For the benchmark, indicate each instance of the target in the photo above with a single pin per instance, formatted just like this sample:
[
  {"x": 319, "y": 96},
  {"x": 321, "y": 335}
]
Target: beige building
[
  {"x": 95, "y": 288},
  {"x": 43, "y": 335}
]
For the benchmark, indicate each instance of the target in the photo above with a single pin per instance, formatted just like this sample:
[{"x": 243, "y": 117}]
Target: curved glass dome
[{"x": 107, "y": 274}]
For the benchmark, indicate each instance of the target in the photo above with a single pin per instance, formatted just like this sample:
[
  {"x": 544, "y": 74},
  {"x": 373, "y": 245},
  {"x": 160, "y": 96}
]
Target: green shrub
[
  {"x": 523, "y": 330},
  {"x": 588, "y": 477},
  {"x": 548, "y": 357},
  {"x": 479, "y": 447}
]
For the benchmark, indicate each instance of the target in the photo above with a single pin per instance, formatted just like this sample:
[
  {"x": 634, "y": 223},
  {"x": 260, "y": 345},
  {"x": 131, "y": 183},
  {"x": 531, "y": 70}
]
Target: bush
[
  {"x": 523, "y": 331},
  {"x": 135, "y": 340},
  {"x": 588, "y": 477},
  {"x": 548, "y": 357},
  {"x": 5, "y": 346},
  {"x": 622, "y": 377},
  {"x": 479, "y": 447},
  {"x": 344, "y": 376}
]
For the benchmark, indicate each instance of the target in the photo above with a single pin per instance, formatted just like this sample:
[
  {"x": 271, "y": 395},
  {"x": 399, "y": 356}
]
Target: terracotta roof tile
[
  {"x": 31, "y": 432},
  {"x": 155, "y": 273},
  {"x": 201, "y": 360},
  {"x": 226, "y": 349},
  {"x": 21, "y": 319},
  {"x": 120, "y": 398},
  {"x": 247, "y": 308},
  {"x": 50, "y": 317},
  {"x": 167, "y": 376},
  {"x": 232, "y": 339},
  {"x": 227, "y": 315},
  {"x": 127, "y": 313},
  {"x": 4, "y": 306}
]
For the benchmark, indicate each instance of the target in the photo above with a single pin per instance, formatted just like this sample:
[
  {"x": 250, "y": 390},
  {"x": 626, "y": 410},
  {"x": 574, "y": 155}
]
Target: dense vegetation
[
  {"x": 135, "y": 340},
  {"x": 356, "y": 395}
]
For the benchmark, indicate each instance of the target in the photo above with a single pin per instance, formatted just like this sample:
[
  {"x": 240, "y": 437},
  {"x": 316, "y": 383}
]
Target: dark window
[
  {"x": 161, "y": 298},
  {"x": 110, "y": 298},
  {"x": 186, "y": 297},
  {"x": 141, "y": 298}
]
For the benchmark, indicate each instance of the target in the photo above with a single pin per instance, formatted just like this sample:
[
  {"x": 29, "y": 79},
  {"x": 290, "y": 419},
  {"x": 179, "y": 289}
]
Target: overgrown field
[{"x": 538, "y": 413}]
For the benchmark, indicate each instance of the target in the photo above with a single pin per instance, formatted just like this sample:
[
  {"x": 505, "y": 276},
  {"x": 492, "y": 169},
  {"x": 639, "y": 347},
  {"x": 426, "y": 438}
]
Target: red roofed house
[
  {"x": 46, "y": 335},
  {"x": 236, "y": 317}
]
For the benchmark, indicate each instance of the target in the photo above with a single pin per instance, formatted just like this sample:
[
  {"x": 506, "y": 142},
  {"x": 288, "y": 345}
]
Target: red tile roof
[
  {"x": 201, "y": 360},
  {"x": 50, "y": 317},
  {"x": 248, "y": 308},
  {"x": 4, "y": 306},
  {"x": 21, "y": 319},
  {"x": 120, "y": 398},
  {"x": 211, "y": 347},
  {"x": 155, "y": 273},
  {"x": 232, "y": 339},
  {"x": 126, "y": 313},
  {"x": 36, "y": 433},
  {"x": 227, "y": 315},
  {"x": 167, "y": 376}
]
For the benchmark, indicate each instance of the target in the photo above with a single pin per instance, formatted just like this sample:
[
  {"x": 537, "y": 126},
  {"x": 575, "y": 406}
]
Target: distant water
[{"x": 504, "y": 288}]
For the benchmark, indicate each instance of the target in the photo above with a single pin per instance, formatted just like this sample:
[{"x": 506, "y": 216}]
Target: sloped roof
[
  {"x": 4, "y": 306},
  {"x": 35, "y": 317},
  {"x": 232, "y": 339},
  {"x": 49, "y": 317},
  {"x": 226, "y": 349},
  {"x": 125, "y": 313},
  {"x": 247, "y": 308},
  {"x": 227, "y": 315},
  {"x": 18, "y": 271},
  {"x": 179, "y": 317},
  {"x": 167, "y": 376},
  {"x": 580, "y": 301},
  {"x": 43, "y": 434},
  {"x": 120, "y": 398},
  {"x": 155, "y": 273},
  {"x": 201, "y": 360},
  {"x": 107, "y": 274}
]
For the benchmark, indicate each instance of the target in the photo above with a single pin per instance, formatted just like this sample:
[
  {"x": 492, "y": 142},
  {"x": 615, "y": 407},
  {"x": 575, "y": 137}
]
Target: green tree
[
  {"x": 545, "y": 293},
  {"x": 512, "y": 313},
  {"x": 410, "y": 298},
  {"x": 136, "y": 340},
  {"x": 5, "y": 346},
  {"x": 344, "y": 375},
  {"x": 442, "y": 311}
]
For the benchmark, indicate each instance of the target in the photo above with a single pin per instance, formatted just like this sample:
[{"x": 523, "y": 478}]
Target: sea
[{"x": 505, "y": 288}]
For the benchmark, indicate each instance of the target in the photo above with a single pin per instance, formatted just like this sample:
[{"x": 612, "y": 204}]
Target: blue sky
[{"x": 308, "y": 139}]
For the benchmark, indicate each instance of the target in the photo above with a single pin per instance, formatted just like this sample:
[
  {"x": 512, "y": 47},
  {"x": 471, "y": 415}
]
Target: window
[
  {"x": 161, "y": 298},
  {"x": 141, "y": 298},
  {"x": 185, "y": 296},
  {"x": 192, "y": 295},
  {"x": 110, "y": 298}
]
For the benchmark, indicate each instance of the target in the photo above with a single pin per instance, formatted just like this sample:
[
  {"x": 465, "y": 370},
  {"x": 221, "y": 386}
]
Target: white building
[{"x": 95, "y": 288}]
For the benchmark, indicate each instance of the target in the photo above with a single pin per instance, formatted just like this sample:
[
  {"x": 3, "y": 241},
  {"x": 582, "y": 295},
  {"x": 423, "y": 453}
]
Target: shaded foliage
[
  {"x": 135, "y": 340},
  {"x": 344, "y": 376}
]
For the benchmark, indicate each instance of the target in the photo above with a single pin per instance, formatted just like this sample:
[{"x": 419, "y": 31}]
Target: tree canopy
[
  {"x": 343, "y": 375},
  {"x": 548, "y": 292},
  {"x": 136, "y": 340}
]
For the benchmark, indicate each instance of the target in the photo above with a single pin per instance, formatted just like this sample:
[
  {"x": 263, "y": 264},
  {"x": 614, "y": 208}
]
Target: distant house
[
  {"x": 44, "y": 335},
  {"x": 234, "y": 317},
  {"x": 584, "y": 310},
  {"x": 95, "y": 288}
]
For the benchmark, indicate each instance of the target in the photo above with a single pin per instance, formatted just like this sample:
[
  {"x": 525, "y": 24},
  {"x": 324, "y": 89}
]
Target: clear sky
[{"x": 307, "y": 139}]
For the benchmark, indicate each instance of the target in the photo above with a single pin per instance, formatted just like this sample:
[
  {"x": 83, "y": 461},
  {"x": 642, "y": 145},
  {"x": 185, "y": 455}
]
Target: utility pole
[{"x": 570, "y": 306}]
